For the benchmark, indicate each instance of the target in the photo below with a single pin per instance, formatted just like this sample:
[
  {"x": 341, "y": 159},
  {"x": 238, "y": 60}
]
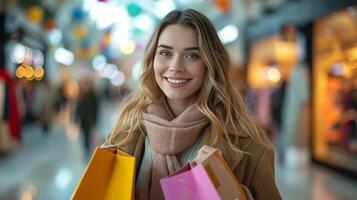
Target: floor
[{"x": 48, "y": 166}]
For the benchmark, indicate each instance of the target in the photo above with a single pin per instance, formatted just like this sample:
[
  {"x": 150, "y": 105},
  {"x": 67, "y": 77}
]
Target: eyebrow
[{"x": 169, "y": 47}]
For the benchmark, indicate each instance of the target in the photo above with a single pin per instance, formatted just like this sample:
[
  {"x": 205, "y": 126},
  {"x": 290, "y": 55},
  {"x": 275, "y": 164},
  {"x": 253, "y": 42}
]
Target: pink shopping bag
[
  {"x": 189, "y": 184},
  {"x": 225, "y": 182}
]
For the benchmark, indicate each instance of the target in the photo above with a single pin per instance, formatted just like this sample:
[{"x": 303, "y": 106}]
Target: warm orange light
[
  {"x": 223, "y": 5},
  {"x": 39, "y": 72},
  {"x": 72, "y": 89},
  {"x": 351, "y": 53},
  {"x": 20, "y": 72},
  {"x": 35, "y": 14},
  {"x": 28, "y": 72},
  {"x": 80, "y": 31}
]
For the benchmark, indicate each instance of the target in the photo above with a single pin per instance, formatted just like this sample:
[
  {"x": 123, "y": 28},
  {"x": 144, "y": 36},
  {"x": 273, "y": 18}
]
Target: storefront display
[
  {"x": 335, "y": 90},
  {"x": 279, "y": 95}
]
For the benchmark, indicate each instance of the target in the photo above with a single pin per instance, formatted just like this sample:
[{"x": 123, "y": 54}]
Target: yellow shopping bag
[{"x": 109, "y": 175}]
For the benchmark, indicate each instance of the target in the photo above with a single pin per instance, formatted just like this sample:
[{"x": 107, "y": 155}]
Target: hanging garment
[
  {"x": 4, "y": 130},
  {"x": 263, "y": 107},
  {"x": 2, "y": 99},
  {"x": 297, "y": 94},
  {"x": 6, "y": 143},
  {"x": 12, "y": 107}
]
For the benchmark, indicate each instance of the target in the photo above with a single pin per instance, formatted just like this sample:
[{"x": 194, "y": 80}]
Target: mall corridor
[{"x": 231, "y": 68}]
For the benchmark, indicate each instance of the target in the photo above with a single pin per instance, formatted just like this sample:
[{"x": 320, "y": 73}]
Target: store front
[
  {"x": 279, "y": 81},
  {"x": 334, "y": 81}
]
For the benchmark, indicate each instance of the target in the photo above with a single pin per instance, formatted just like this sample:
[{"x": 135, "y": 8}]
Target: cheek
[
  {"x": 202, "y": 71},
  {"x": 199, "y": 72},
  {"x": 158, "y": 67},
  {"x": 158, "y": 71}
]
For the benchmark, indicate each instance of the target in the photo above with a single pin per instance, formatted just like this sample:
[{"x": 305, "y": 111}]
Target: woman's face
[{"x": 178, "y": 66}]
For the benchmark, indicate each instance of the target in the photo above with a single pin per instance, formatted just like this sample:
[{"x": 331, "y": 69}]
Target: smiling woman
[
  {"x": 185, "y": 101},
  {"x": 178, "y": 66}
]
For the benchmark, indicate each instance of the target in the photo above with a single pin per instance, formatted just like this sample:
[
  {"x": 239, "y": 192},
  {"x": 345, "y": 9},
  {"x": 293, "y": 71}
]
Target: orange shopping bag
[{"x": 109, "y": 175}]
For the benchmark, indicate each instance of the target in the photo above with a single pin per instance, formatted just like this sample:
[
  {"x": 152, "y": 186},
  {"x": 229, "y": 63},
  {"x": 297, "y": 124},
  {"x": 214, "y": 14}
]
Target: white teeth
[{"x": 175, "y": 81}]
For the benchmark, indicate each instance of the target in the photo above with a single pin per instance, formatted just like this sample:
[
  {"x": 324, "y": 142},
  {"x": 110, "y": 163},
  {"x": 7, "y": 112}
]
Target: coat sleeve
[{"x": 263, "y": 184}]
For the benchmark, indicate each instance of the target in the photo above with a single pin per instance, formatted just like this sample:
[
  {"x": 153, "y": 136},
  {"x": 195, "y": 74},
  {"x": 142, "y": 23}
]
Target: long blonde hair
[{"x": 218, "y": 100}]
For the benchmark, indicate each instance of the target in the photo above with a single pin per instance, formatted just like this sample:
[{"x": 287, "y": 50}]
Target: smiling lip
[{"x": 176, "y": 82}]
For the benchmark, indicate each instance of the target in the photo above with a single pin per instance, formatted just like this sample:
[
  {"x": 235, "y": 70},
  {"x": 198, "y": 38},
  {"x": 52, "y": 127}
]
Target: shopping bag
[
  {"x": 222, "y": 177},
  {"x": 189, "y": 184},
  {"x": 109, "y": 175}
]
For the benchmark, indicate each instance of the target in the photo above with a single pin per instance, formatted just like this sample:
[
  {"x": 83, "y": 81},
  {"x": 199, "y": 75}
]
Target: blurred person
[
  {"x": 46, "y": 113},
  {"x": 61, "y": 97},
  {"x": 86, "y": 112},
  {"x": 184, "y": 101},
  {"x": 290, "y": 114},
  {"x": 277, "y": 102}
]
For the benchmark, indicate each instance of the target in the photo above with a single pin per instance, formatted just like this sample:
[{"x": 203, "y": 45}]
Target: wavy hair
[{"x": 218, "y": 100}]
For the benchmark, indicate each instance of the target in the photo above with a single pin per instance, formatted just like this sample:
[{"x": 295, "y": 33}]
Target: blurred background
[{"x": 65, "y": 66}]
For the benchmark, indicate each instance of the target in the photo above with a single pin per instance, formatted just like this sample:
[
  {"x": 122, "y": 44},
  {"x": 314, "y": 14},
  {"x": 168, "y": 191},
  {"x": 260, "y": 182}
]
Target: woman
[{"x": 184, "y": 101}]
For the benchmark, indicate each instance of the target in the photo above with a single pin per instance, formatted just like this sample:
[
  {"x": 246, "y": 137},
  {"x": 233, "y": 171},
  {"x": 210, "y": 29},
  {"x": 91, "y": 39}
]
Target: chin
[{"x": 175, "y": 97}]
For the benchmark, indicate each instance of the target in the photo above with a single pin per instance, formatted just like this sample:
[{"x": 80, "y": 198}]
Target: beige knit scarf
[{"x": 168, "y": 136}]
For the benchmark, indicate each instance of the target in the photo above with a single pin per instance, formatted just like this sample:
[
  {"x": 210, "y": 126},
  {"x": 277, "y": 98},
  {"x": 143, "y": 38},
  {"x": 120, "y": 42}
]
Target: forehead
[{"x": 178, "y": 36}]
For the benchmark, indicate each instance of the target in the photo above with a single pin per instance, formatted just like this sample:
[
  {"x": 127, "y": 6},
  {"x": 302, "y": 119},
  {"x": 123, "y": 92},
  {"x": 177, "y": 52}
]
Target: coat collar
[{"x": 232, "y": 156}]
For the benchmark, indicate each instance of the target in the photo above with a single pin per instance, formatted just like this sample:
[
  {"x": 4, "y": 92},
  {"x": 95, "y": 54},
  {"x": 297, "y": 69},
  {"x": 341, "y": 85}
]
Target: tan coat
[{"x": 254, "y": 168}]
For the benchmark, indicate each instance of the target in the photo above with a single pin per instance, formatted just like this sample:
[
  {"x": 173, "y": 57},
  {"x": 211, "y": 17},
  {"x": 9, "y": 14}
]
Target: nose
[{"x": 176, "y": 64}]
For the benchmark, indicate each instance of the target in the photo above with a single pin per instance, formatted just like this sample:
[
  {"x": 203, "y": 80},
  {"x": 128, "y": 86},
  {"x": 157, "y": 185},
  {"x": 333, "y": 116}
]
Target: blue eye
[
  {"x": 165, "y": 53},
  {"x": 192, "y": 56}
]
